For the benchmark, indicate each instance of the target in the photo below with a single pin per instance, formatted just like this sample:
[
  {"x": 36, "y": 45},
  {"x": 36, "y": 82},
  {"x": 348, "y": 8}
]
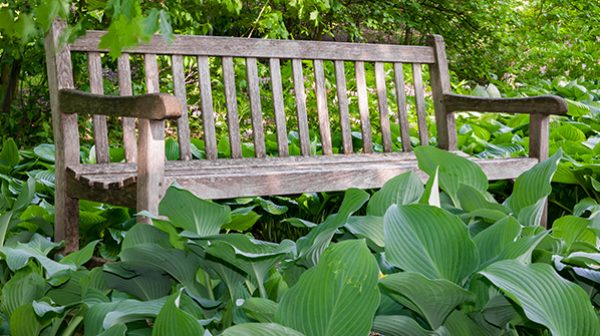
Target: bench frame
[{"x": 152, "y": 109}]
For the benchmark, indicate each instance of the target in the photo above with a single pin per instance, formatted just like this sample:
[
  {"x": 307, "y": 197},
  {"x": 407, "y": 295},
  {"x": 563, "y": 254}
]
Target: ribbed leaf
[
  {"x": 80, "y": 257},
  {"x": 431, "y": 195},
  {"x": 533, "y": 185},
  {"x": 260, "y": 329},
  {"x": 172, "y": 320},
  {"x": 430, "y": 241},
  {"x": 187, "y": 211},
  {"x": 369, "y": 227},
  {"x": 492, "y": 241},
  {"x": 442, "y": 296},
  {"x": 339, "y": 296},
  {"x": 262, "y": 310},
  {"x": 133, "y": 310},
  {"x": 561, "y": 306},
  {"x": 21, "y": 289},
  {"x": 571, "y": 229},
  {"x": 400, "y": 325},
  {"x": 453, "y": 170},
  {"x": 24, "y": 322},
  {"x": 116, "y": 330},
  {"x": 141, "y": 282},
  {"x": 402, "y": 189}
]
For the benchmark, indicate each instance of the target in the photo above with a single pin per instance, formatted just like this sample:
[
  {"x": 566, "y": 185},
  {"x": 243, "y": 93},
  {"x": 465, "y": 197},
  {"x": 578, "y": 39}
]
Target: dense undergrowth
[{"x": 364, "y": 268}]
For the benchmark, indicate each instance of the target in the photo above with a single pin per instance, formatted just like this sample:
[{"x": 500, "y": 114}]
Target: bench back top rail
[{"x": 274, "y": 73}]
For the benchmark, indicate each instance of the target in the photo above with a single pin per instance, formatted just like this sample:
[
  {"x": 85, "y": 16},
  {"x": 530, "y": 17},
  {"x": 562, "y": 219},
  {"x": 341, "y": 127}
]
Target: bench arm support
[
  {"x": 153, "y": 106},
  {"x": 545, "y": 105}
]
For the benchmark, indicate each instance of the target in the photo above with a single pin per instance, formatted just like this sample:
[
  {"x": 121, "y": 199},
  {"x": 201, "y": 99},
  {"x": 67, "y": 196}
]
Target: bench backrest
[{"x": 330, "y": 96}]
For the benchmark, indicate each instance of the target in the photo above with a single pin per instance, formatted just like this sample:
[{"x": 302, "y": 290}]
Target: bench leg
[
  {"x": 538, "y": 148},
  {"x": 66, "y": 220},
  {"x": 151, "y": 166}
]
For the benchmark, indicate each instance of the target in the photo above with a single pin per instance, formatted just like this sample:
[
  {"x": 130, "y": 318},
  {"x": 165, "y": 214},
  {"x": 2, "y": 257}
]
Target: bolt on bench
[{"x": 144, "y": 177}]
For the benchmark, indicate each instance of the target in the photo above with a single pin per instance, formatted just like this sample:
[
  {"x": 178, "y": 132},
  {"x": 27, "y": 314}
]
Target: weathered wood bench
[{"x": 142, "y": 180}]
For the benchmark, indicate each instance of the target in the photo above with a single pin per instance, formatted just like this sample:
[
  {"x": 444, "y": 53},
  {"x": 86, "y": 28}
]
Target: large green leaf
[
  {"x": 369, "y": 227},
  {"x": 9, "y": 156},
  {"x": 141, "y": 282},
  {"x": 262, "y": 310},
  {"x": 24, "y": 322},
  {"x": 187, "y": 211},
  {"x": 492, "y": 241},
  {"x": 22, "y": 288},
  {"x": 312, "y": 245},
  {"x": 400, "y": 325},
  {"x": 260, "y": 329},
  {"x": 453, "y": 170},
  {"x": 172, "y": 320},
  {"x": 548, "y": 299},
  {"x": 4, "y": 222},
  {"x": 80, "y": 257},
  {"x": 406, "y": 188},
  {"x": 25, "y": 195},
  {"x": 442, "y": 296},
  {"x": 571, "y": 229},
  {"x": 430, "y": 241},
  {"x": 533, "y": 186},
  {"x": 339, "y": 296},
  {"x": 133, "y": 310}
]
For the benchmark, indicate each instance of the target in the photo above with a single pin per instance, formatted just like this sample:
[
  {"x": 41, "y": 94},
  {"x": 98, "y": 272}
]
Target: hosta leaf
[
  {"x": 262, "y": 310},
  {"x": 369, "y": 227},
  {"x": 533, "y": 185},
  {"x": 26, "y": 195},
  {"x": 4, "y": 221},
  {"x": 260, "y": 329},
  {"x": 338, "y": 296},
  {"x": 492, "y": 241},
  {"x": 400, "y": 325},
  {"x": 80, "y": 257},
  {"x": 472, "y": 199},
  {"x": 21, "y": 289},
  {"x": 453, "y": 170},
  {"x": 133, "y": 310},
  {"x": 431, "y": 195},
  {"x": 191, "y": 213},
  {"x": 271, "y": 207},
  {"x": 172, "y": 320},
  {"x": 141, "y": 282},
  {"x": 17, "y": 258},
  {"x": 430, "y": 241},
  {"x": 45, "y": 152},
  {"x": 9, "y": 156},
  {"x": 571, "y": 229},
  {"x": 44, "y": 306},
  {"x": 312, "y": 245},
  {"x": 442, "y": 296},
  {"x": 24, "y": 322},
  {"x": 562, "y": 306},
  {"x": 116, "y": 330},
  {"x": 402, "y": 189}
]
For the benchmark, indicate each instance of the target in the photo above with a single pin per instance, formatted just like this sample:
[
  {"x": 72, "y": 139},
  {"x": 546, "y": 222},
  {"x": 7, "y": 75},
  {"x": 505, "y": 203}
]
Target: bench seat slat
[
  {"x": 99, "y": 121},
  {"x": 265, "y": 48},
  {"x": 272, "y": 176}
]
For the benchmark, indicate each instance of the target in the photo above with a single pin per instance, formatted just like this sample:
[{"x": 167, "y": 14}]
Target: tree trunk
[{"x": 9, "y": 82}]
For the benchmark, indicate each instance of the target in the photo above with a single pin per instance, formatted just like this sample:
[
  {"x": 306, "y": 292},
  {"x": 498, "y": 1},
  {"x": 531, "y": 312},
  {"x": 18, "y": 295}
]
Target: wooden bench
[{"x": 143, "y": 178}]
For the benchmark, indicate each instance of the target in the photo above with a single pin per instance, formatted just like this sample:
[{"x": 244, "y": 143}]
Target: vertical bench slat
[
  {"x": 340, "y": 83},
  {"x": 402, "y": 111},
  {"x": 276, "y": 88},
  {"x": 100, "y": 128},
  {"x": 363, "y": 106},
  {"x": 125, "y": 89},
  {"x": 420, "y": 103},
  {"x": 301, "y": 107},
  {"x": 255, "y": 107},
  {"x": 383, "y": 106},
  {"x": 322, "y": 110},
  {"x": 183, "y": 127},
  {"x": 232, "y": 108},
  {"x": 208, "y": 115}
]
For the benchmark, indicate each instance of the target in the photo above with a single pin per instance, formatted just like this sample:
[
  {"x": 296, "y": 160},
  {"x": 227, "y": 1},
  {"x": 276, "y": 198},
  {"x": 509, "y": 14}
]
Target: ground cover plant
[{"x": 488, "y": 268}]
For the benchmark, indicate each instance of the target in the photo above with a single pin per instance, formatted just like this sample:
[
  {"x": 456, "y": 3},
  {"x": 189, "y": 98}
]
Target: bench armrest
[
  {"x": 545, "y": 105},
  {"x": 153, "y": 106}
]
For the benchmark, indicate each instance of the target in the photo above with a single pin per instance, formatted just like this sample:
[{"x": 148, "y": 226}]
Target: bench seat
[{"x": 116, "y": 183}]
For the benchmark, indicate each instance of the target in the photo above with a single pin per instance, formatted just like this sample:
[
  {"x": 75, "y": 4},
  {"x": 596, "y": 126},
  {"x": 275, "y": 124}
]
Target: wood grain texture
[
  {"x": 440, "y": 85},
  {"x": 125, "y": 89},
  {"x": 340, "y": 82},
  {"x": 278, "y": 107},
  {"x": 151, "y": 165},
  {"x": 265, "y": 48},
  {"x": 420, "y": 104},
  {"x": 256, "y": 108},
  {"x": 545, "y": 105},
  {"x": 66, "y": 137},
  {"x": 274, "y": 176},
  {"x": 208, "y": 113},
  {"x": 363, "y": 106},
  {"x": 300, "y": 96},
  {"x": 183, "y": 124},
  {"x": 322, "y": 110},
  {"x": 402, "y": 107},
  {"x": 98, "y": 121},
  {"x": 382, "y": 105},
  {"x": 155, "y": 106},
  {"x": 233, "y": 123},
  {"x": 538, "y": 147}
]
